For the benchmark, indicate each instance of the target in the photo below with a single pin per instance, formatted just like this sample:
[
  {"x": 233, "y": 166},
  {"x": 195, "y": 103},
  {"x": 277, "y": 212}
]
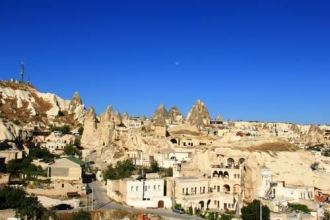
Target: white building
[
  {"x": 291, "y": 192},
  {"x": 266, "y": 175},
  {"x": 168, "y": 160},
  {"x": 148, "y": 193},
  {"x": 133, "y": 123},
  {"x": 279, "y": 190}
]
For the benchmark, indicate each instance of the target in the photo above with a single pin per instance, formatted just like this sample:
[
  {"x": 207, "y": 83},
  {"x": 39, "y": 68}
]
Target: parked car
[
  {"x": 178, "y": 210},
  {"x": 62, "y": 206}
]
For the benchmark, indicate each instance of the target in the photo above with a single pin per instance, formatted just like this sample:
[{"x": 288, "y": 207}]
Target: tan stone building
[
  {"x": 219, "y": 191},
  {"x": 67, "y": 168}
]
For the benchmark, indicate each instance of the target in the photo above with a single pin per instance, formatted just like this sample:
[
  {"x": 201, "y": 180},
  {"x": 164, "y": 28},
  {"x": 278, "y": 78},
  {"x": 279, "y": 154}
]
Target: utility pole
[
  {"x": 173, "y": 197},
  {"x": 22, "y": 71},
  {"x": 260, "y": 210},
  {"x": 143, "y": 184},
  {"x": 92, "y": 195}
]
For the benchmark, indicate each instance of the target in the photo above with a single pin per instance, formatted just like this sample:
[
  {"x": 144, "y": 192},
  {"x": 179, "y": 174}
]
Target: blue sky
[{"x": 246, "y": 60}]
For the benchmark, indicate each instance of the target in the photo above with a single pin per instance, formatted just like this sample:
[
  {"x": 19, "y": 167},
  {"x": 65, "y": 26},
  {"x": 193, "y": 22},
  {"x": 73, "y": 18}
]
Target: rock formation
[
  {"x": 198, "y": 115},
  {"x": 107, "y": 126},
  {"x": 77, "y": 108},
  {"x": 90, "y": 137},
  {"x": 24, "y": 104},
  {"x": 125, "y": 116},
  {"x": 175, "y": 115},
  {"x": 314, "y": 135},
  {"x": 116, "y": 117},
  {"x": 218, "y": 118},
  {"x": 160, "y": 116},
  {"x": 12, "y": 133}
]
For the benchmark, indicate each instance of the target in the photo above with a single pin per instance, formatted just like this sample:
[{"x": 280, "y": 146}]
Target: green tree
[
  {"x": 81, "y": 215},
  {"x": 299, "y": 207},
  {"x": 81, "y": 130},
  {"x": 71, "y": 150},
  {"x": 19, "y": 165},
  {"x": 9, "y": 197},
  {"x": 43, "y": 154},
  {"x": 65, "y": 129},
  {"x": 252, "y": 211},
  {"x": 226, "y": 217},
  {"x": 166, "y": 172},
  {"x": 190, "y": 210},
  {"x": 123, "y": 169},
  {"x": 77, "y": 142},
  {"x": 30, "y": 208},
  {"x": 154, "y": 166}
]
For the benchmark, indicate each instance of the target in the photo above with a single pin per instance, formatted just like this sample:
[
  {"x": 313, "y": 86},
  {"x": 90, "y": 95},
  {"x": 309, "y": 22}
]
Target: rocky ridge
[
  {"x": 268, "y": 146},
  {"x": 25, "y": 105}
]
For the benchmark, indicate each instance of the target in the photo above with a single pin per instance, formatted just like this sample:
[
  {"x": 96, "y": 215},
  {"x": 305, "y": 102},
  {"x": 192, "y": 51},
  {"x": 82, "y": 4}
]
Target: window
[
  {"x": 154, "y": 187},
  {"x": 214, "y": 187},
  {"x": 132, "y": 188},
  {"x": 238, "y": 175},
  {"x": 235, "y": 176},
  {"x": 137, "y": 188},
  {"x": 158, "y": 187},
  {"x": 62, "y": 185}
]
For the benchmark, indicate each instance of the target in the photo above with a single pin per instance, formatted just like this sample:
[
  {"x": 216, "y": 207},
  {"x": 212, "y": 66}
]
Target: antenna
[{"x": 22, "y": 71}]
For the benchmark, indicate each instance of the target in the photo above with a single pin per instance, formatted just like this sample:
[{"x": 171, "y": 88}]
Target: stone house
[
  {"x": 56, "y": 144},
  {"x": 67, "y": 168},
  {"x": 219, "y": 191}
]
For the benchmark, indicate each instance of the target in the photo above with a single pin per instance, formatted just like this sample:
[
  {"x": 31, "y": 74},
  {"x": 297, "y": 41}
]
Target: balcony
[
  {"x": 221, "y": 166},
  {"x": 196, "y": 195}
]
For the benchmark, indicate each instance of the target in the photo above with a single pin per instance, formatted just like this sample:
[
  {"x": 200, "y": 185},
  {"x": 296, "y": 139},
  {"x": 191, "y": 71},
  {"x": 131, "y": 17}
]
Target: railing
[{"x": 225, "y": 167}]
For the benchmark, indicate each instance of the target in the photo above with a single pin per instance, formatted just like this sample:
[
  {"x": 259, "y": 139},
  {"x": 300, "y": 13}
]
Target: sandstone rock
[
  {"x": 175, "y": 115},
  {"x": 117, "y": 119},
  {"x": 198, "y": 115},
  {"x": 160, "y": 116},
  {"x": 125, "y": 116},
  {"x": 12, "y": 132},
  {"x": 22, "y": 102},
  {"x": 90, "y": 137},
  {"x": 314, "y": 135},
  {"x": 219, "y": 118},
  {"x": 107, "y": 126}
]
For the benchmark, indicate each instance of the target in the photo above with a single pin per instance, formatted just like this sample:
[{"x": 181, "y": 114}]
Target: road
[{"x": 101, "y": 201}]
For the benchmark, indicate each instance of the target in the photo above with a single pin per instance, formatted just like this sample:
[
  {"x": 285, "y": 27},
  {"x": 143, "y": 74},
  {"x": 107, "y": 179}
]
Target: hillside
[{"x": 24, "y": 105}]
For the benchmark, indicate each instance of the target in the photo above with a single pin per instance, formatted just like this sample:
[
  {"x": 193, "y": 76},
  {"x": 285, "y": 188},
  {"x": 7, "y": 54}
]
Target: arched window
[{"x": 230, "y": 162}]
